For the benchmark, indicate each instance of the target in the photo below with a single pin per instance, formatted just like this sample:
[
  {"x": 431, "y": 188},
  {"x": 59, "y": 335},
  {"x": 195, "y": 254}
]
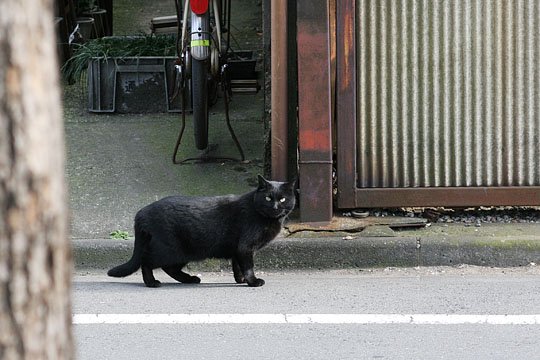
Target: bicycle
[{"x": 202, "y": 59}]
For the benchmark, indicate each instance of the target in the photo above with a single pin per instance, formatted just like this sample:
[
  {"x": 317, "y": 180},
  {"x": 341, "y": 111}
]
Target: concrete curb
[{"x": 336, "y": 252}]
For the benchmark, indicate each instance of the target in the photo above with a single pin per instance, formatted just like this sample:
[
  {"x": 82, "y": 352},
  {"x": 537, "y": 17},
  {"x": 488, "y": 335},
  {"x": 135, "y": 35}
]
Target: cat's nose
[{"x": 275, "y": 206}]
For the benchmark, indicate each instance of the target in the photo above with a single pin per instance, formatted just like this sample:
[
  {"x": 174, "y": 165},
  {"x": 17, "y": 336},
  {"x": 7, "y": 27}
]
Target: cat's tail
[{"x": 141, "y": 238}]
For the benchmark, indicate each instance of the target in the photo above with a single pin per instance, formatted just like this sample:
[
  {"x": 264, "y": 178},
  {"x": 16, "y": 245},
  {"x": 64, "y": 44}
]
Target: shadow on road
[{"x": 169, "y": 285}]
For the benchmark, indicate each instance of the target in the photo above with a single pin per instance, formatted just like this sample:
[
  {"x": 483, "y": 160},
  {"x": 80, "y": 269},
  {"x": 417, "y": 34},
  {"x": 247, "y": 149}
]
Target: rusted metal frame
[
  {"x": 314, "y": 111},
  {"x": 346, "y": 103},
  {"x": 279, "y": 97},
  {"x": 349, "y": 195},
  {"x": 449, "y": 196}
]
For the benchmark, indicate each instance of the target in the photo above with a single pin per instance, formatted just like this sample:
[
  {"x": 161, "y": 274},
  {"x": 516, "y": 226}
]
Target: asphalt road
[{"x": 192, "y": 324}]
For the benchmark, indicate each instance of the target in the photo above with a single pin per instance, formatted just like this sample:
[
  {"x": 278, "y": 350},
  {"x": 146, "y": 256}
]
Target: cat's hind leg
[
  {"x": 177, "y": 274},
  {"x": 148, "y": 277}
]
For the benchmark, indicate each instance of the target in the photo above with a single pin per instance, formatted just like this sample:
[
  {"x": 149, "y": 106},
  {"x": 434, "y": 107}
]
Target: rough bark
[{"x": 35, "y": 257}]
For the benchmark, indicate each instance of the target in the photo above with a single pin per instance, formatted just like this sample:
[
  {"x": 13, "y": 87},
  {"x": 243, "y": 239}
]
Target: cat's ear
[
  {"x": 291, "y": 185},
  {"x": 263, "y": 183}
]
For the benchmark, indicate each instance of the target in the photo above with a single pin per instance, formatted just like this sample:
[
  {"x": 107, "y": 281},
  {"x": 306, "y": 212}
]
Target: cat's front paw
[{"x": 256, "y": 283}]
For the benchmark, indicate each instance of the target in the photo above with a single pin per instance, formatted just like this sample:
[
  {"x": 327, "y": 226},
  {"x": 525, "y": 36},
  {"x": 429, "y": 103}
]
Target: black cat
[{"x": 175, "y": 230}]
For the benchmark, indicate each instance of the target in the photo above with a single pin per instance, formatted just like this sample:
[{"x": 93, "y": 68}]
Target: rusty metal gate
[{"x": 438, "y": 102}]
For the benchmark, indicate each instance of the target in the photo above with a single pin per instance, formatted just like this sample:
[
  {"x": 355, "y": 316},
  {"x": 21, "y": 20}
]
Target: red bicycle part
[{"x": 199, "y": 7}]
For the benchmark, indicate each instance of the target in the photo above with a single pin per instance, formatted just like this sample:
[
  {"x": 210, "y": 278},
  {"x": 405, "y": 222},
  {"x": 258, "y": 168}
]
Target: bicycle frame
[{"x": 200, "y": 39}]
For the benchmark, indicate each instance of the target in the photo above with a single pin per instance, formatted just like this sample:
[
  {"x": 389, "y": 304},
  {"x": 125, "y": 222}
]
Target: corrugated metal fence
[{"x": 447, "y": 92}]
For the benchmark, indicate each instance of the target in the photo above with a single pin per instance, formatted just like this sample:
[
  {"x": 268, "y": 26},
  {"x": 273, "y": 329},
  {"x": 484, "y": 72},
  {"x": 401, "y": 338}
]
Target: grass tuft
[
  {"x": 116, "y": 47},
  {"x": 119, "y": 235}
]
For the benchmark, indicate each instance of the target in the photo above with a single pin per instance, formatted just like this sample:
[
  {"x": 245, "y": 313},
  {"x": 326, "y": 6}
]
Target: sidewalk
[{"x": 504, "y": 245}]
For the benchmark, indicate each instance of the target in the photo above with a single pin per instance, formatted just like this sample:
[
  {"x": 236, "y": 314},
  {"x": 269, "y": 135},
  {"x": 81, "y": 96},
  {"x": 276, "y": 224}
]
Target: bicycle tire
[{"x": 199, "y": 86}]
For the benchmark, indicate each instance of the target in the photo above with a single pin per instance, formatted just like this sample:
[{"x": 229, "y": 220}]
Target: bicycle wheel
[{"x": 199, "y": 88}]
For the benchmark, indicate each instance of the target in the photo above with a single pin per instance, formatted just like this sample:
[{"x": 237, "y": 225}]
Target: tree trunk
[{"x": 35, "y": 256}]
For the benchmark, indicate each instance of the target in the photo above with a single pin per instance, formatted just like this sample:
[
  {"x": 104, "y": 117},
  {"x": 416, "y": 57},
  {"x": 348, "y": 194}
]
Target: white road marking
[{"x": 360, "y": 319}]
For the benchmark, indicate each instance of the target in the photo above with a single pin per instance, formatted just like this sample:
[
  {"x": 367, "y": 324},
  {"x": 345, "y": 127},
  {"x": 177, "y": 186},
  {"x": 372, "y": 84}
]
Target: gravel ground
[{"x": 467, "y": 216}]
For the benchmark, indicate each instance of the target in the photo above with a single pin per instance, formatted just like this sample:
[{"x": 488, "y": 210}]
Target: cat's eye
[
  {"x": 268, "y": 198},
  {"x": 282, "y": 200}
]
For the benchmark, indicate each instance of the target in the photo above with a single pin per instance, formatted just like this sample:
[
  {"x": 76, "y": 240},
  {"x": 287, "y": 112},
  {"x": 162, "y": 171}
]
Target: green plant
[
  {"x": 119, "y": 235},
  {"x": 116, "y": 47}
]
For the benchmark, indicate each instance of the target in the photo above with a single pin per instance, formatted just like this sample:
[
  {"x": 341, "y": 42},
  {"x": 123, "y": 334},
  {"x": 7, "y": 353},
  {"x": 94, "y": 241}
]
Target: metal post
[
  {"x": 279, "y": 100},
  {"x": 314, "y": 111}
]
